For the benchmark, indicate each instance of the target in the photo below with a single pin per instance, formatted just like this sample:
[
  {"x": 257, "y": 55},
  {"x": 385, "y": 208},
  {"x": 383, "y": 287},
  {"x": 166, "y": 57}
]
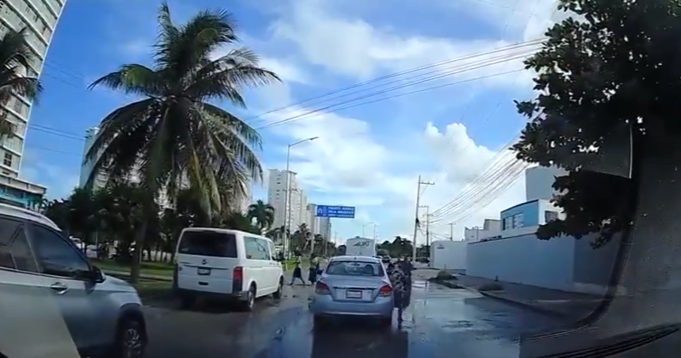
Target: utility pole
[
  {"x": 451, "y": 231},
  {"x": 416, "y": 214},
  {"x": 375, "y": 235}
]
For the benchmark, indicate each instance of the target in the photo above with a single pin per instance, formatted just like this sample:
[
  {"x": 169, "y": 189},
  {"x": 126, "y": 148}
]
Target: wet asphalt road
[{"x": 440, "y": 322}]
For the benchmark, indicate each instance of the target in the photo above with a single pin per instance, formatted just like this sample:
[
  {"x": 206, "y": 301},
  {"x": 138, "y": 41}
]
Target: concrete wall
[
  {"x": 593, "y": 267},
  {"x": 524, "y": 259},
  {"x": 561, "y": 263}
]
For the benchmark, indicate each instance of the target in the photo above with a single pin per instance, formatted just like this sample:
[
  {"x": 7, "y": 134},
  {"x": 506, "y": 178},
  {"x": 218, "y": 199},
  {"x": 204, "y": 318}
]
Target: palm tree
[
  {"x": 174, "y": 132},
  {"x": 262, "y": 213},
  {"x": 15, "y": 56}
]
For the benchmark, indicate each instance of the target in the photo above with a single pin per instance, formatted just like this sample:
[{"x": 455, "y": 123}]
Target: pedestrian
[
  {"x": 407, "y": 266},
  {"x": 312, "y": 274},
  {"x": 297, "y": 274},
  {"x": 399, "y": 282}
]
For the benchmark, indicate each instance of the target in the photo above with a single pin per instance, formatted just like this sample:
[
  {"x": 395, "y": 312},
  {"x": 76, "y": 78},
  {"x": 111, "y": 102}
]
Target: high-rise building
[
  {"x": 39, "y": 18},
  {"x": 318, "y": 225},
  {"x": 87, "y": 165},
  {"x": 101, "y": 178},
  {"x": 276, "y": 195}
]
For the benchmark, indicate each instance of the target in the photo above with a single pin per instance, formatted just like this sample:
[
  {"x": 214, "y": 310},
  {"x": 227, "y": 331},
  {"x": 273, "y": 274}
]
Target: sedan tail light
[
  {"x": 322, "y": 289},
  {"x": 385, "y": 291}
]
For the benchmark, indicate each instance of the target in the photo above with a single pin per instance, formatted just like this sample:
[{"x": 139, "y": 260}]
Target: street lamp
[
  {"x": 369, "y": 223},
  {"x": 287, "y": 197}
]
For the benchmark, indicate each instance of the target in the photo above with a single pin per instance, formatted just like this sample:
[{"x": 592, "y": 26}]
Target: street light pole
[
  {"x": 287, "y": 197},
  {"x": 365, "y": 225}
]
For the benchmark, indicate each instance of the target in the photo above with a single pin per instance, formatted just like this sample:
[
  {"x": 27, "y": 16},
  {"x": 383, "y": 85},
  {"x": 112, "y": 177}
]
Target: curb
[
  {"x": 447, "y": 284},
  {"x": 528, "y": 306},
  {"x": 126, "y": 275}
]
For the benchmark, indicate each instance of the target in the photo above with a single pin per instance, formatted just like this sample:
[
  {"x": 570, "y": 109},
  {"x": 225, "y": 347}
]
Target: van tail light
[
  {"x": 238, "y": 279},
  {"x": 322, "y": 289},
  {"x": 238, "y": 274},
  {"x": 385, "y": 291}
]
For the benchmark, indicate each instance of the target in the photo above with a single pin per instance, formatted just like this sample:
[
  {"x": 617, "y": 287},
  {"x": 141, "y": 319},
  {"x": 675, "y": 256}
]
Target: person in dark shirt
[
  {"x": 400, "y": 288},
  {"x": 297, "y": 274}
]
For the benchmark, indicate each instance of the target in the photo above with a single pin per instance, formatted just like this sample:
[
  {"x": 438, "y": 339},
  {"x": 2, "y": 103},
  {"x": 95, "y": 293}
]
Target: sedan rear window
[
  {"x": 208, "y": 243},
  {"x": 355, "y": 268}
]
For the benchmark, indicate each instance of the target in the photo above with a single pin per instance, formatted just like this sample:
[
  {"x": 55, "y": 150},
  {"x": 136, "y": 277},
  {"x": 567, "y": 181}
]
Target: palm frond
[{"x": 133, "y": 79}]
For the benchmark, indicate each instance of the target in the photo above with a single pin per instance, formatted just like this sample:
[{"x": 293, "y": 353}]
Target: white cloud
[
  {"x": 356, "y": 48},
  {"x": 349, "y": 163}
]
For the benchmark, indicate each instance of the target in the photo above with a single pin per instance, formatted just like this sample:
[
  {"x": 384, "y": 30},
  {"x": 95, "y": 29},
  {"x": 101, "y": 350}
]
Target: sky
[{"x": 394, "y": 89}]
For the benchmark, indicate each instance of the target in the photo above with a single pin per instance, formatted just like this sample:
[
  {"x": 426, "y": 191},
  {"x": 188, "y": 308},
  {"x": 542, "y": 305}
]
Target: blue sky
[{"x": 368, "y": 156}]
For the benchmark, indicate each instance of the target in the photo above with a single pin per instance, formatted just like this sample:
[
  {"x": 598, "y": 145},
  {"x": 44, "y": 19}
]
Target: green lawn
[
  {"x": 153, "y": 288},
  {"x": 148, "y": 268}
]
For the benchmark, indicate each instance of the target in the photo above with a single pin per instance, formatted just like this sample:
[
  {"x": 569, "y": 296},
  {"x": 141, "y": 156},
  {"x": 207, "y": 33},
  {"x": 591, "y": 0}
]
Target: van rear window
[{"x": 208, "y": 243}]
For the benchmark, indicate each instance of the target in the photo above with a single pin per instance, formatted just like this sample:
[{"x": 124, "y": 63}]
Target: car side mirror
[{"x": 96, "y": 274}]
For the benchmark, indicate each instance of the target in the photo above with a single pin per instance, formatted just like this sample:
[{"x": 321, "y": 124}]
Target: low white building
[{"x": 448, "y": 255}]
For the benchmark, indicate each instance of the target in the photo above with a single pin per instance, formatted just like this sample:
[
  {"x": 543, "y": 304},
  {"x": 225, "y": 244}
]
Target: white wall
[
  {"x": 538, "y": 182},
  {"x": 450, "y": 255},
  {"x": 524, "y": 259}
]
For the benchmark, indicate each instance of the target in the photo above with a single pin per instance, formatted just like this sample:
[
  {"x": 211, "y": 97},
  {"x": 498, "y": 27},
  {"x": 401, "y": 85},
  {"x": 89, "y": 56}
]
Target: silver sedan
[{"x": 353, "y": 286}]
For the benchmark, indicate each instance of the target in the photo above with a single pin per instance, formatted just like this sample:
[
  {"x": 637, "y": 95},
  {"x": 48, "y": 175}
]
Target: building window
[
  {"x": 18, "y": 106},
  {"x": 518, "y": 220},
  {"x": 7, "y": 160},
  {"x": 508, "y": 223},
  {"x": 550, "y": 216}
]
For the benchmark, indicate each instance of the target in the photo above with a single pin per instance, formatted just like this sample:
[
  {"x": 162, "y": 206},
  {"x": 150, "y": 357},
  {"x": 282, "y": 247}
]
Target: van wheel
[
  {"x": 280, "y": 289},
  {"x": 250, "y": 299},
  {"x": 130, "y": 339}
]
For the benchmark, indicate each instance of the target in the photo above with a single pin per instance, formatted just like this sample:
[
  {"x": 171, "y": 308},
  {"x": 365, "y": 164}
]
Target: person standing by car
[{"x": 399, "y": 282}]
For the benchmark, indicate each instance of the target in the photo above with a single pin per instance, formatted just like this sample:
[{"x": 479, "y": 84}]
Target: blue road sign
[{"x": 335, "y": 211}]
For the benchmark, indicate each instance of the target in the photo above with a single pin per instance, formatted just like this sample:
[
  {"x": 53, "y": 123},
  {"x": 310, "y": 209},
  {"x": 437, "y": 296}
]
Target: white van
[
  {"x": 222, "y": 262},
  {"x": 359, "y": 246}
]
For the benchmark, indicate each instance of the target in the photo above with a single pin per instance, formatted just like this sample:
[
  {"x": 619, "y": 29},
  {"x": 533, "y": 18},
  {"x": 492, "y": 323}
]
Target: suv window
[
  {"x": 55, "y": 255},
  {"x": 15, "y": 252},
  {"x": 208, "y": 243},
  {"x": 256, "y": 249}
]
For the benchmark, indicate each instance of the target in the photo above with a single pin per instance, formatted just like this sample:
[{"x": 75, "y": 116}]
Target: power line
[
  {"x": 519, "y": 45},
  {"x": 498, "y": 159}
]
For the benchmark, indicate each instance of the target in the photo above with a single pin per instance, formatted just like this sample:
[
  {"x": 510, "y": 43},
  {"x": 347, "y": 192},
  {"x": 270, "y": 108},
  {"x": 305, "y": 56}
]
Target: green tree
[
  {"x": 262, "y": 213},
  {"x": 174, "y": 131},
  {"x": 15, "y": 57},
  {"x": 608, "y": 70}
]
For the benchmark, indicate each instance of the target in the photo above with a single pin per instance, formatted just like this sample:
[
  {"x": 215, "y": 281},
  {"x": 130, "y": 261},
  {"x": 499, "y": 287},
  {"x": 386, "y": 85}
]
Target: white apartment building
[
  {"x": 39, "y": 18},
  {"x": 277, "y": 187},
  {"x": 539, "y": 181},
  {"x": 101, "y": 178}
]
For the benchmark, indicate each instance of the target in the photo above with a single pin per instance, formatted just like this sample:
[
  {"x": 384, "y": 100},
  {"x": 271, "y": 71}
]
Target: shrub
[{"x": 444, "y": 275}]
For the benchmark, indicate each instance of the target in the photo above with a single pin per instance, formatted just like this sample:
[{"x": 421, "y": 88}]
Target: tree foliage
[
  {"x": 15, "y": 78},
  {"x": 612, "y": 64},
  {"x": 174, "y": 134}
]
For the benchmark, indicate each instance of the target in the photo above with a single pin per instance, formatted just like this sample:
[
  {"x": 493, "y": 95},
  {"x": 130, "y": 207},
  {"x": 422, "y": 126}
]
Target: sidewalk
[{"x": 556, "y": 303}]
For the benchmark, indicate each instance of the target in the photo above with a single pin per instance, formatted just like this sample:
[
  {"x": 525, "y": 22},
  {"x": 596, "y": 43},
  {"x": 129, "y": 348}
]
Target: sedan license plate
[
  {"x": 204, "y": 271},
  {"x": 353, "y": 294}
]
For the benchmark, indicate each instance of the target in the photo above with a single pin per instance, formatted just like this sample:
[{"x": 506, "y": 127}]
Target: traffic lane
[
  {"x": 212, "y": 331},
  {"x": 441, "y": 322}
]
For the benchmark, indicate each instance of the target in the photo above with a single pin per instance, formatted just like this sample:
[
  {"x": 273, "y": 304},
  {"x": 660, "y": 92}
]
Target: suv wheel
[
  {"x": 130, "y": 339},
  {"x": 280, "y": 289}
]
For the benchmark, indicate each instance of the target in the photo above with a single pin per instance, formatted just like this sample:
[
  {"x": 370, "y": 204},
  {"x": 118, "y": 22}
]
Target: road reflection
[{"x": 350, "y": 339}]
